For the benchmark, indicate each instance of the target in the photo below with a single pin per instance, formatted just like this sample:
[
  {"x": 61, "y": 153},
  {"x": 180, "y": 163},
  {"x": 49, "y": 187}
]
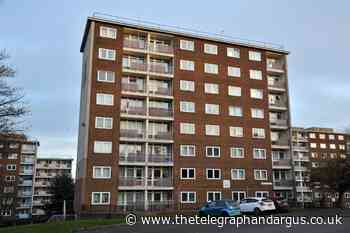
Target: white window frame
[
  {"x": 187, "y": 106},
  {"x": 255, "y": 74},
  {"x": 187, "y": 65},
  {"x": 102, "y": 76},
  {"x": 239, "y": 192},
  {"x": 232, "y": 149},
  {"x": 259, "y": 150},
  {"x": 214, "y": 192},
  {"x": 11, "y": 167},
  {"x": 233, "y": 71},
  {"x": 104, "y": 143},
  {"x": 213, "y": 170},
  {"x": 101, "y": 167},
  {"x": 211, "y": 49},
  {"x": 313, "y": 145},
  {"x": 341, "y": 137},
  {"x": 312, "y": 135},
  {"x": 254, "y": 112},
  {"x": 238, "y": 172},
  {"x": 234, "y": 91},
  {"x": 256, "y": 93},
  {"x": 187, "y": 198},
  {"x": 211, "y": 68},
  {"x": 213, "y": 149},
  {"x": 231, "y": 111},
  {"x": 100, "y": 202},
  {"x": 232, "y": 128},
  {"x": 186, "y": 125},
  {"x": 210, "y": 107},
  {"x": 210, "y": 90},
  {"x": 111, "y": 32},
  {"x": 210, "y": 132},
  {"x": 187, "y": 45},
  {"x": 104, "y": 122},
  {"x": 188, "y": 146},
  {"x": 261, "y": 171},
  {"x": 256, "y": 133},
  {"x": 187, "y": 169},
  {"x": 254, "y": 56},
  {"x": 187, "y": 85},
  {"x": 108, "y": 52},
  {"x": 262, "y": 193},
  {"x": 233, "y": 52},
  {"x": 102, "y": 96}
]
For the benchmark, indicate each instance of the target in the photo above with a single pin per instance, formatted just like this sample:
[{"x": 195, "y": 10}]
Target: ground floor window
[
  {"x": 262, "y": 194},
  {"x": 100, "y": 198},
  {"x": 238, "y": 195},
  {"x": 213, "y": 196},
  {"x": 188, "y": 197}
]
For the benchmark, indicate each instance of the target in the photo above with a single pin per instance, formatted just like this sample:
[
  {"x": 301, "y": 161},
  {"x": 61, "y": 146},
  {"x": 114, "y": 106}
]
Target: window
[
  {"x": 237, "y": 174},
  {"x": 322, "y": 136},
  {"x": 237, "y": 152},
  {"x": 187, "y": 128},
  {"x": 5, "y": 213},
  {"x": 212, "y": 151},
  {"x": 213, "y": 196},
  {"x": 212, "y": 130},
  {"x": 235, "y": 111},
  {"x": 259, "y": 153},
  {"x": 100, "y": 172},
  {"x": 104, "y": 123},
  {"x": 314, "y": 155},
  {"x": 186, "y": 106},
  {"x": 233, "y": 71},
  {"x": 106, "y": 54},
  {"x": 257, "y": 113},
  {"x": 234, "y": 91},
  {"x": 258, "y": 133},
  {"x": 312, "y": 135},
  {"x": 323, "y": 146},
  {"x": 331, "y": 137},
  {"x": 256, "y": 93},
  {"x": 104, "y": 99},
  {"x": 108, "y": 32},
  {"x": 187, "y": 65},
  {"x": 313, "y": 145},
  {"x": 340, "y": 137},
  {"x": 213, "y": 109},
  {"x": 254, "y": 56},
  {"x": 187, "y": 45},
  {"x": 103, "y": 147},
  {"x": 105, "y": 76},
  {"x": 264, "y": 194},
  {"x": 10, "y": 178},
  {"x": 188, "y": 197},
  {"x": 211, "y": 88},
  {"x": 211, "y": 68},
  {"x": 238, "y": 196},
  {"x": 187, "y": 150},
  {"x": 341, "y": 147},
  {"x": 332, "y": 146},
  {"x": 188, "y": 173},
  {"x": 100, "y": 198},
  {"x": 186, "y": 85},
  {"x": 11, "y": 167},
  {"x": 12, "y": 156},
  {"x": 211, "y": 49},
  {"x": 213, "y": 174},
  {"x": 233, "y": 52},
  {"x": 255, "y": 74},
  {"x": 260, "y": 174},
  {"x": 236, "y": 131}
]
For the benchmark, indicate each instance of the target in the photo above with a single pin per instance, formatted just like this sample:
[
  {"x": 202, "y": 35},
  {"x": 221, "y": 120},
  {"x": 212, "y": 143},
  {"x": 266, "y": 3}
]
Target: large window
[
  {"x": 213, "y": 109},
  {"x": 212, "y": 151},
  {"x": 235, "y": 111},
  {"x": 104, "y": 123},
  {"x": 233, "y": 52},
  {"x": 186, "y": 106},
  {"x": 100, "y": 198},
  {"x": 108, "y": 32},
  {"x": 256, "y": 93},
  {"x": 238, "y": 195},
  {"x": 187, "y": 128},
  {"x": 212, "y": 130},
  {"x": 210, "y": 49},
  {"x": 258, "y": 133},
  {"x": 103, "y": 147},
  {"x": 259, "y": 153},
  {"x": 257, "y": 113},
  {"x": 188, "y": 173},
  {"x": 104, "y": 99},
  {"x": 187, "y": 65},
  {"x": 260, "y": 174},
  {"x": 254, "y": 56},
  {"x": 211, "y": 88},
  {"x": 211, "y": 68},
  {"x": 106, "y": 54},
  {"x": 213, "y": 173},
  {"x": 234, "y": 91},
  {"x": 105, "y": 76},
  {"x": 187, "y": 45},
  {"x": 213, "y": 195},
  {"x": 255, "y": 74},
  {"x": 186, "y": 85},
  {"x": 101, "y": 172},
  {"x": 233, "y": 71},
  {"x": 237, "y": 152},
  {"x": 237, "y": 174},
  {"x": 188, "y": 197},
  {"x": 236, "y": 131},
  {"x": 187, "y": 150}
]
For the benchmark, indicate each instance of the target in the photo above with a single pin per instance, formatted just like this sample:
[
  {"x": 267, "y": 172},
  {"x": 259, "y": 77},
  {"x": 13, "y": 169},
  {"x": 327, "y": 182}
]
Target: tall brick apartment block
[
  {"x": 170, "y": 119},
  {"x": 311, "y": 147},
  {"x": 17, "y": 169}
]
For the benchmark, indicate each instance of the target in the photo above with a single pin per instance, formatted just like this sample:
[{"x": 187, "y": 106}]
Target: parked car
[
  {"x": 225, "y": 208},
  {"x": 281, "y": 204},
  {"x": 256, "y": 205}
]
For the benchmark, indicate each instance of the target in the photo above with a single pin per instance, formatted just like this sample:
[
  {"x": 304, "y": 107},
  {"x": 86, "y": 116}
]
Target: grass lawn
[{"x": 60, "y": 227}]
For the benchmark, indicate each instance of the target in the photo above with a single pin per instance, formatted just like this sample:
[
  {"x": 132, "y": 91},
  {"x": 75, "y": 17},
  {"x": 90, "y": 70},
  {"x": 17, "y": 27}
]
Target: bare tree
[{"x": 12, "y": 105}]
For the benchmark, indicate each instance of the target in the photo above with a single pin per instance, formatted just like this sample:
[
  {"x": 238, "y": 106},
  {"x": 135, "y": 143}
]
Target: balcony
[
  {"x": 132, "y": 133},
  {"x": 161, "y": 182},
  {"x": 160, "y": 112},
  {"x": 300, "y": 138},
  {"x": 132, "y": 158},
  {"x": 301, "y": 148},
  {"x": 135, "y": 44},
  {"x": 281, "y": 143},
  {"x": 25, "y": 205},
  {"x": 278, "y": 123},
  {"x": 300, "y": 168},
  {"x": 38, "y": 202},
  {"x": 161, "y": 136},
  {"x": 130, "y": 182},
  {"x": 42, "y": 193},
  {"x": 303, "y": 189},
  {"x": 23, "y": 215},
  {"x": 273, "y": 65},
  {"x": 25, "y": 183},
  {"x": 161, "y": 91},
  {"x": 135, "y": 66},
  {"x": 305, "y": 178},
  {"x": 27, "y": 160},
  {"x": 133, "y": 88},
  {"x": 160, "y": 158},
  {"x": 26, "y": 172},
  {"x": 284, "y": 163},
  {"x": 139, "y": 111},
  {"x": 24, "y": 194},
  {"x": 301, "y": 157},
  {"x": 160, "y": 68},
  {"x": 278, "y": 105},
  {"x": 283, "y": 184},
  {"x": 42, "y": 184},
  {"x": 161, "y": 48},
  {"x": 278, "y": 85}
]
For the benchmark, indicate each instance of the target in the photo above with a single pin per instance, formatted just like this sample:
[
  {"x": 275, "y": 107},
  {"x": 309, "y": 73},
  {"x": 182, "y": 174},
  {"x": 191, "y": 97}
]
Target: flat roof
[{"x": 179, "y": 31}]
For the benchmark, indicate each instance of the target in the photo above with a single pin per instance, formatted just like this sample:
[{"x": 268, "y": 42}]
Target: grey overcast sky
[{"x": 43, "y": 38}]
